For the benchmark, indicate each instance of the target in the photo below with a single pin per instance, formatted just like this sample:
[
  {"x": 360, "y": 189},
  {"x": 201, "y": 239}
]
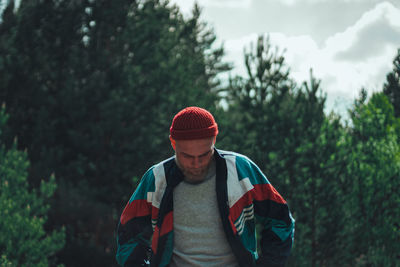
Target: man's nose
[{"x": 196, "y": 162}]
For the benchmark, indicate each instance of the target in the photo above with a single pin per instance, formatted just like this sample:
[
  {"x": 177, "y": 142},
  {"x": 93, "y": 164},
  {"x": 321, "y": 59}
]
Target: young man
[{"x": 199, "y": 208}]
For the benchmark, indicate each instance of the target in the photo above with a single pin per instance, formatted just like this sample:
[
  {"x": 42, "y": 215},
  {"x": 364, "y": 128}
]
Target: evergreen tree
[
  {"x": 392, "y": 86},
  {"x": 282, "y": 126},
  {"x": 23, "y": 211},
  {"x": 251, "y": 100},
  {"x": 372, "y": 230},
  {"x": 92, "y": 87}
]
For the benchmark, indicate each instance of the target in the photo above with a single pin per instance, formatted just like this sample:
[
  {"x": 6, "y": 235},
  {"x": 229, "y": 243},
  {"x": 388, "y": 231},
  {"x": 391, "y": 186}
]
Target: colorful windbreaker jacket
[{"x": 244, "y": 195}]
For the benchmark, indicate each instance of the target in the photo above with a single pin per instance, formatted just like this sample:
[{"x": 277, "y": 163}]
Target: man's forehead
[
  {"x": 188, "y": 153},
  {"x": 204, "y": 141},
  {"x": 195, "y": 147}
]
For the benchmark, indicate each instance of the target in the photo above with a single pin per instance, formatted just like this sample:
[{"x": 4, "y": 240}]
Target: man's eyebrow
[
  {"x": 204, "y": 154},
  {"x": 187, "y": 155}
]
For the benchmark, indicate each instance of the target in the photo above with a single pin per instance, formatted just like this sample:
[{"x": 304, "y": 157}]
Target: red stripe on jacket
[
  {"x": 165, "y": 229},
  {"x": 167, "y": 224},
  {"x": 237, "y": 208},
  {"x": 154, "y": 242},
  {"x": 260, "y": 192},
  {"x": 267, "y": 192},
  {"x": 136, "y": 208},
  {"x": 154, "y": 213}
]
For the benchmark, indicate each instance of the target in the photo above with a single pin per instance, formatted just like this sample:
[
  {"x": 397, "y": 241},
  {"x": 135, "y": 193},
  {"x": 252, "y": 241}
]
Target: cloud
[
  {"x": 359, "y": 57},
  {"x": 376, "y": 29},
  {"x": 299, "y": 2},
  {"x": 187, "y": 5},
  {"x": 356, "y": 54},
  {"x": 296, "y": 49},
  {"x": 229, "y": 3}
]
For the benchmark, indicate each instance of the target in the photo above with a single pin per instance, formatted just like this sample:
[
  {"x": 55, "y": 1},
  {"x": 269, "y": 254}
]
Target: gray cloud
[
  {"x": 371, "y": 40},
  {"x": 321, "y": 19},
  {"x": 330, "y": 25}
]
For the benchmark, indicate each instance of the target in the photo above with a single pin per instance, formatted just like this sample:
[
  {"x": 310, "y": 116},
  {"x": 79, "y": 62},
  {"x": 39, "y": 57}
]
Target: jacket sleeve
[
  {"x": 134, "y": 228},
  {"x": 272, "y": 212}
]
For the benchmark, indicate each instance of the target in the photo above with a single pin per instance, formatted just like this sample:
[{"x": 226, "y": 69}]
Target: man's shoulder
[
  {"x": 156, "y": 168},
  {"x": 231, "y": 155},
  {"x": 162, "y": 163},
  {"x": 242, "y": 163}
]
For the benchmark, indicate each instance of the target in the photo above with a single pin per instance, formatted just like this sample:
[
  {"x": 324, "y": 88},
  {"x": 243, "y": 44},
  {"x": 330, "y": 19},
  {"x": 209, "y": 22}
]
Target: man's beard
[{"x": 196, "y": 177}]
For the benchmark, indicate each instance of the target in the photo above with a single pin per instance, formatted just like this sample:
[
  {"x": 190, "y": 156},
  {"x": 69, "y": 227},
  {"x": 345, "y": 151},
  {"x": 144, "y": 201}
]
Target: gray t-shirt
[{"x": 199, "y": 239}]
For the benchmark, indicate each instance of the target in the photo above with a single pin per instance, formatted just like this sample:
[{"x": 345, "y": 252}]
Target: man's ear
[{"x": 173, "y": 142}]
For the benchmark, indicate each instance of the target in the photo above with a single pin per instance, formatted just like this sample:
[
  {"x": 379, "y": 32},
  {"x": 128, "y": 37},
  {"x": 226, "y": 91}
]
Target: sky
[{"x": 349, "y": 44}]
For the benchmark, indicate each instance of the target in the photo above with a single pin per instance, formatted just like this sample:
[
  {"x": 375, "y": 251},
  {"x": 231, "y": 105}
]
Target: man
[{"x": 199, "y": 207}]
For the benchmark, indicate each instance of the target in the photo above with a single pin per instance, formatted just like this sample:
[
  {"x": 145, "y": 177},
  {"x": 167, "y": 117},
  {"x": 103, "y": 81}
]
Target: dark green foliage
[
  {"x": 392, "y": 86},
  {"x": 92, "y": 87},
  {"x": 267, "y": 87},
  {"x": 23, "y": 211},
  {"x": 310, "y": 159},
  {"x": 372, "y": 230},
  {"x": 282, "y": 126}
]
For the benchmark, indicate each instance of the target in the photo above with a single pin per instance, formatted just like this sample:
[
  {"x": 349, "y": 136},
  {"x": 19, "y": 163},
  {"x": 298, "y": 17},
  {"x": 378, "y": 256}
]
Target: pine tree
[
  {"x": 91, "y": 87},
  {"x": 392, "y": 86},
  {"x": 282, "y": 126},
  {"x": 372, "y": 229},
  {"x": 24, "y": 240}
]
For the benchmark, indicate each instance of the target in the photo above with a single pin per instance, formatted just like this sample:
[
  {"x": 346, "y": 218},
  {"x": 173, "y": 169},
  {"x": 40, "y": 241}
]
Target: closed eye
[
  {"x": 205, "y": 154},
  {"x": 187, "y": 156}
]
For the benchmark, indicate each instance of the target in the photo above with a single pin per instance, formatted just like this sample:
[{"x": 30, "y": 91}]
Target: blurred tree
[
  {"x": 251, "y": 102},
  {"x": 23, "y": 211},
  {"x": 373, "y": 230},
  {"x": 392, "y": 86},
  {"x": 282, "y": 126},
  {"x": 315, "y": 181},
  {"x": 91, "y": 87}
]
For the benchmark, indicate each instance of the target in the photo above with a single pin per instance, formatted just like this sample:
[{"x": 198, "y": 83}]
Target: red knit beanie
[{"x": 193, "y": 123}]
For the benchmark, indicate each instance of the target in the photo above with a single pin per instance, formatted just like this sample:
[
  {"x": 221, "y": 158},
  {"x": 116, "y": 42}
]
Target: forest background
[{"x": 88, "y": 89}]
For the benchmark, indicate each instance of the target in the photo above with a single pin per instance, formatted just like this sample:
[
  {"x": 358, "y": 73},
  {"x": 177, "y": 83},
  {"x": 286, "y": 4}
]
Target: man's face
[{"x": 193, "y": 158}]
